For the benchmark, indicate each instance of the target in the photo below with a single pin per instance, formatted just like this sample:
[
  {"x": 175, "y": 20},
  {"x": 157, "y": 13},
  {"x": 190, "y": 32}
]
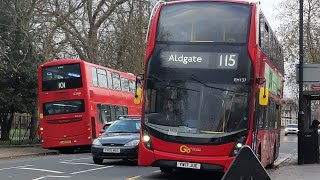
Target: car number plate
[
  {"x": 189, "y": 165},
  {"x": 111, "y": 150},
  {"x": 65, "y": 142}
]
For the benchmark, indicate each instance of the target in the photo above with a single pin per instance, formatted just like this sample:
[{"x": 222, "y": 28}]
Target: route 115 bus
[
  {"x": 77, "y": 98},
  {"x": 213, "y": 83}
]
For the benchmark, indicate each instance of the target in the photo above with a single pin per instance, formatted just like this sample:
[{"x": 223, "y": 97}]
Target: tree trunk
[
  {"x": 4, "y": 127},
  {"x": 92, "y": 44},
  {"x": 34, "y": 124}
]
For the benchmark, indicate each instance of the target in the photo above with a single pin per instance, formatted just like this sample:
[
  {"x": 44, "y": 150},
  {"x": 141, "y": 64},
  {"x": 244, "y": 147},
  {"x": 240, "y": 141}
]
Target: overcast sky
[{"x": 267, "y": 7}]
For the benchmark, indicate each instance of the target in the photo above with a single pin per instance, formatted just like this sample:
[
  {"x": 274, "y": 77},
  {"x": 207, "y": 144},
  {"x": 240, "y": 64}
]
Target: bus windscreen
[
  {"x": 63, "y": 107},
  {"x": 204, "y": 22},
  {"x": 61, "y": 77}
]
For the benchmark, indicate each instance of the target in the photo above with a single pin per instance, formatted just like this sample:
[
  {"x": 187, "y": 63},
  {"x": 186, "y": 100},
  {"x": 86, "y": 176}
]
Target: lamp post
[{"x": 301, "y": 113}]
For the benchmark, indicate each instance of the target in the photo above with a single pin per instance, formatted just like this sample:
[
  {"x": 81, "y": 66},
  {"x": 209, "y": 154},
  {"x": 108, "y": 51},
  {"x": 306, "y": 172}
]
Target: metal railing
[{"x": 21, "y": 129}]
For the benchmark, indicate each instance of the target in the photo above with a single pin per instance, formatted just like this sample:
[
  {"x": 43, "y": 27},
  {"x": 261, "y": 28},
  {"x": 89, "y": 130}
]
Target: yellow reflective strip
[
  {"x": 212, "y": 132},
  {"x": 201, "y": 41}
]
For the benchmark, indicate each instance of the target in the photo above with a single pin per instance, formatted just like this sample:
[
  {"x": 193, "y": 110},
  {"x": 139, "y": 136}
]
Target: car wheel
[
  {"x": 286, "y": 134},
  {"x": 97, "y": 160},
  {"x": 166, "y": 170}
]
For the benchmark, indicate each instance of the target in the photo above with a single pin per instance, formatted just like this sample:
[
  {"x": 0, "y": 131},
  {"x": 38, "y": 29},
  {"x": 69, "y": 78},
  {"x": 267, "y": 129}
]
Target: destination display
[{"x": 199, "y": 60}]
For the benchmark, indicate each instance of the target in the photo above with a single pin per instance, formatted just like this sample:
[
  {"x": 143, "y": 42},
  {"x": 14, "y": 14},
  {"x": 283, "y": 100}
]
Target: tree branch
[
  {"x": 99, "y": 8},
  {"x": 110, "y": 10}
]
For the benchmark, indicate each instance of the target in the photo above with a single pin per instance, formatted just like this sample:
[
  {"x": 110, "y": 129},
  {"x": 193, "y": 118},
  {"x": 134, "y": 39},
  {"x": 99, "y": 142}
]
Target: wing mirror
[
  {"x": 138, "y": 92},
  {"x": 264, "y": 96}
]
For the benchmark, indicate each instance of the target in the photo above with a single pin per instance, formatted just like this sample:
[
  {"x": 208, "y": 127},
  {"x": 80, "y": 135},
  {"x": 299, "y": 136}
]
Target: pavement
[
  {"x": 290, "y": 170},
  {"x": 7, "y": 152}
]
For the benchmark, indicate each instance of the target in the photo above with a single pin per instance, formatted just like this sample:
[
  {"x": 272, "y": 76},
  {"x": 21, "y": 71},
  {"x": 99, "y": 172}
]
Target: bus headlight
[
  {"x": 147, "y": 140},
  {"x": 132, "y": 143},
  {"x": 238, "y": 145},
  {"x": 96, "y": 142}
]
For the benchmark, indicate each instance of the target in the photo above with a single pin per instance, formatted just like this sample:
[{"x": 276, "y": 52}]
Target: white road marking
[
  {"x": 15, "y": 167},
  {"x": 43, "y": 177},
  {"x": 44, "y": 170},
  {"x": 157, "y": 171},
  {"x": 88, "y": 164},
  {"x": 76, "y": 159},
  {"x": 91, "y": 170},
  {"x": 134, "y": 177}
]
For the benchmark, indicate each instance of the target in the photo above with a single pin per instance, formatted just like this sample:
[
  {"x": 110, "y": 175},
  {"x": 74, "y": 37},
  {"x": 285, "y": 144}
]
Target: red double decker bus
[
  {"x": 213, "y": 83},
  {"x": 77, "y": 98}
]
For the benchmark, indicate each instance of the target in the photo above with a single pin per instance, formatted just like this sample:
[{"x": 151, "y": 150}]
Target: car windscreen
[
  {"x": 292, "y": 126},
  {"x": 124, "y": 126}
]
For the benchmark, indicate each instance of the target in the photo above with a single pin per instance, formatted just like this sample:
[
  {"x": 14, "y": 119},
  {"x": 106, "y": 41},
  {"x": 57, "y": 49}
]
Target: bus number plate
[
  {"x": 65, "y": 142},
  {"x": 111, "y": 150},
  {"x": 188, "y": 165}
]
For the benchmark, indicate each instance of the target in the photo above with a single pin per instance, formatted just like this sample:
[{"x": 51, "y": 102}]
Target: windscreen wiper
[
  {"x": 193, "y": 77},
  {"x": 119, "y": 132}
]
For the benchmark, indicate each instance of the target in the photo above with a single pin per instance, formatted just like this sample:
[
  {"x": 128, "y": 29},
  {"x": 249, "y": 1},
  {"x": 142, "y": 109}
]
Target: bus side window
[
  {"x": 99, "y": 114},
  {"x": 102, "y": 78},
  {"x": 132, "y": 86},
  {"x": 262, "y": 117},
  {"x": 116, "y": 81},
  {"x": 113, "y": 113},
  {"x": 119, "y": 111},
  {"x": 125, "y": 110},
  {"x": 109, "y": 77},
  {"x": 106, "y": 113},
  {"x": 94, "y": 76},
  {"x": 125, "y": 84}
]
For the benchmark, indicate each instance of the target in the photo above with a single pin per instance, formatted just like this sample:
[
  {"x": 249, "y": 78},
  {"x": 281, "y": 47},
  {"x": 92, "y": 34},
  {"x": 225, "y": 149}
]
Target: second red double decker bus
[
  {"x": 77, "y": 98},
  {"x": 209, "y": 68}
]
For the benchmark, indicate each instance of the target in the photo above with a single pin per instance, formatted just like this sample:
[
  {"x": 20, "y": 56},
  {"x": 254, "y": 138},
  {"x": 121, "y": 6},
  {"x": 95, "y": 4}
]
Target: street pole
[{"x": 301, "y": 113}]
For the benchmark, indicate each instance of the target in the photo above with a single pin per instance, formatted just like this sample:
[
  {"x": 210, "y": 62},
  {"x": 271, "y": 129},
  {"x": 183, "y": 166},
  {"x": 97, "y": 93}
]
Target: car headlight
[
  {"x": 285, "y": 129},
  {"x": 96, "y": 142},
  {"x": 133, "y": 143}
]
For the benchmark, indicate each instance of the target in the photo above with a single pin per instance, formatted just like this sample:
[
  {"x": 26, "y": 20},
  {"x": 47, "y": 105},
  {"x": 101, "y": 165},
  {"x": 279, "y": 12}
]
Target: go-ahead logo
[{"x": 186, "y": 149}]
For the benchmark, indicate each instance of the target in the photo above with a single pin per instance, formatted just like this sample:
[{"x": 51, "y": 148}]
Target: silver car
[{"x": 291, "y": 129}]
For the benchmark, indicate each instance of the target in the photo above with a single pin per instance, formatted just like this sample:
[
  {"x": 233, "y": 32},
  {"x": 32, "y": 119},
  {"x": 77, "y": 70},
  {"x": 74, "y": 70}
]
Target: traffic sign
[{"x": 246, "y": 166}]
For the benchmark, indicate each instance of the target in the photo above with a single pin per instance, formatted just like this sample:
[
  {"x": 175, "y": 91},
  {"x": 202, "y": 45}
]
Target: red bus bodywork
[
  {"x": 265, "y": 142},
  {"x": 72, "y": 130}
]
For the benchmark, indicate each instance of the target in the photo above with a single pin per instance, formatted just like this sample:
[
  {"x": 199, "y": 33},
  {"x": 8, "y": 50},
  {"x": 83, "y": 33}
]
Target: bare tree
[
  {"x": 77, "y": 24},
  {"x": 106, "y": 32},
  {"x": 289, "y": 15}
]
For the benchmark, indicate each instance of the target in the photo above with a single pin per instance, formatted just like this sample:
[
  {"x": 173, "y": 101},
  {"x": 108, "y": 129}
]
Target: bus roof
[
  {"x": 232, "y": 1},
  {"x": 58, "y": 62}
]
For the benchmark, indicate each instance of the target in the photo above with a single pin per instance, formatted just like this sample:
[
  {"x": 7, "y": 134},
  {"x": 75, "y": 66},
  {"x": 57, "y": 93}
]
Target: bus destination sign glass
[{"x": 199, "y": 60}]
